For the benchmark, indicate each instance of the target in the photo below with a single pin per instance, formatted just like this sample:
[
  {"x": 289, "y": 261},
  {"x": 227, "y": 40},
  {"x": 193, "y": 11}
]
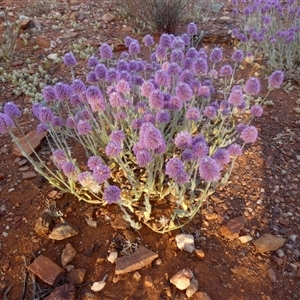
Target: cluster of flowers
[
  {"x": 270, "y": 27},
  {"x": 156, "y": 120}
]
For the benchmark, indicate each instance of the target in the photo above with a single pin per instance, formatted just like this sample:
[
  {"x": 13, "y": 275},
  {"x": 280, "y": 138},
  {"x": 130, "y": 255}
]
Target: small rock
[
  {"x": 201, "y": 296},
  {"x": 26, "y": 23},
  {"x": 268, "y": 242},
  {"x": 119, "y": 223},
  {"x": 91, "y": 222},
  {"x": 76, "y": 276},
  {"x": 53, "y": 56},
  {"x": 137, "y": 276},
  {"x": 98, "y": 286},
  {"x": 182, "y": 279},
  {"x": 211, "y": 216},
  {"x": 68, "y": 254},
  {"x": 245, "y": 239},
  {"x": 192, "y": 288},
  {"x": 66, "y": 291},
  {"x": 46, "y": 270},
  {"x": 108, "y": 17},
  {"x": 293, "y": 267},
  {"x": 63, "y": 231},
  {"x": 284, "y": 222},
  {"x": 233, "y": 227},
  {"x": 135, "y": 261},
  {"x": 112, "y": 257},
  {"x": 272, "y": 275},
  {"x": 28, "y": 175},
  {"x": 185, "y": 242},
  {"x": 280, "y": 253},
  {"x": 2, "y": 176},
  {"x": 5, "y": 234},
  {"x": 44, "y": 225},
  {"x": 69, "y": 268},
  {"x": 52, "y": 194},
  {"x": 126, "y": 29},
  {"x": 90, "y": 296},
  {"x": 32, "y": 139},
  {"x": 158, "y": 262},
  {"x": 199, "y": 253},
  {"x": 5, "y": 267},
  {"x": 88, "y": 251},
  {"x": 298, "y": 273},
  {"x": 148, "y": 283}
]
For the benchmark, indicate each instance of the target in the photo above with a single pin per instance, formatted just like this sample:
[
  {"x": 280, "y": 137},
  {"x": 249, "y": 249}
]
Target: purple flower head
[
  {"x": 93, "y": 162},
  {"x": 148, "y": 117},
  {"x": 84, "y": 127},
  {"x": 234, "y": 32},
  {"x": 134, "y": 47},
  {"x": 222, "y": 156},
  {"x": 200, "y": 149},
  {"x": 59, "y": 157},
  {"x": 162, "y": 116},
  {"x": 198, "y": 138},
  {"x": 156, "y": 99},
  {"x": 175, "y": 169},
  {"x": 117, "y": 136},
  {"x": 92, "y": 62},
  {"x": 224, "y": 104},
  {"x": 36, "y": 109},
  {"x": 236, "y": 96},
  {"x": 122, "y": 65},
  {"x": 226, "y": 70},
  {"x": 175, "y": 103},
  {"x": 122, "y": 86},
  {"x": 165, "y": 40},
  {"x": 177, "y": 56},
  {"x": 185, "y": 37},
  {"x": 252, "y": 86},
  {"x": 128, "y": 40},
  {"x": 200, "y": 66},
  {"x": 173, "y": 69},
  {"x": 62, "y": 91},
  {"x": 125, "y": 75},
  {"x": 11, "y": 110},
  {"x": 188, "y": 64},
  {"x": 187, "y": 76},
  {"x": 249, "y": 134},
  {"x": 178, "y": 43},
  {"x": 192, "y": 53},
  {"x": 69, "y": 169},
  {"x": 69, "y": 59},
  {"x": 210, "y": 112},
  {"x": 237, "y": 56},
  {"x": 112, "y": 75},
  {"x": 242, "y": 107},
  {"x": 78, "y": 87},
  {"x": 83, "y": 114},
  {"x": 192, "y": 29},
  {"x": 209, "y": 169},
  {"x": 116, "y": 100},
  {"x": 276, "y": 79},
  {"x": 187, "y": 154},
  {"x": 41, "y": 128},
  {"x": 49, "y": 93},
  {"x": 95, "y": 98},
  {"x": 184, "y": 91},
  {"x": 86, "y": 180},
  {"x": 91, "y": 77},
  {"x": 162, "y": 78},
  {"x": 57, "y": 121},
  {"x": 202, "y": 53},
  {"x": 203, "y": 91},
  {"x": 146, "y": 88},
  {"x": 235, "y": 150},
  {"x": 215, "y": 104},
  {"x": 124, "y": 54},
  {"x": 256, "y": 110},
  {"x": 183, "y": 140},
  {"x": 45, "y": 115},
  {"x": 70, "y": 123},
  {"x": 100, "y": 71},
  {"x": 150, "y": 136},
  {"x": 101, "y": 173},
  {"x": 105, "y": 51},
  {"x": 193, "y": 114},
  {"x": 136, "y": 124},
  {"x": 161, "y": 53},
  {"x": 148, "y": 40},
  {"x": 216, "y": 55},
  {"x": 112, "y": 194},
  {"x": 113, "y": 149},
  {"x": 240, "y": 127},
  {"x": 143, "y": 157},
  {"x": 6, "y": 123},
  {"x": 133, "y": 65}
]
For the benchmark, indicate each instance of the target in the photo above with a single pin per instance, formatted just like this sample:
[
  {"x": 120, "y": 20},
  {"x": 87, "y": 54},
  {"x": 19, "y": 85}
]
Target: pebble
[
  {"x": 280, "y": 253},
  {"x": 148, "y": 282},
  {"x": 185, "y": 242},
  {"x": 199, "y": 253},
  {"x": 272, "y": 275},
  {"x": 245, "y": 239},
  {"x": 137, "y": 276},
  {"x": 182, "y": 279},
  {"x": 112, "y": 257}
]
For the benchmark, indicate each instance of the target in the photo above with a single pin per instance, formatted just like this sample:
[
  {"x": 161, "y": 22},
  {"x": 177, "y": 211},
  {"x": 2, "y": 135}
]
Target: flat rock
[
  {"x": 28, "y": 175},
  {"x": 233, "y": 227},
  {"x": 108, "y": 17},
  {"x": 182, "y": 279},
  {"x": 272, "y": 275},
  {"x": 63, "y": 231},
  {"x": 44, "y": 225},
  {"x": 185, "y": 242},
  {"x": 244, "y": 239},
  {"x": 268, "y": 242},
  {"x": 201, "y": 296},
  {"x": 66, "y": 291},
  {"x": 32, "y": 139},
  {"x": 135, "y": 261},
  {"x": 68, "y": 254},
  {"x": 192, "y": 288},
  {"x": 76, "y": 276},
  {"x": 47, "y": 270}
]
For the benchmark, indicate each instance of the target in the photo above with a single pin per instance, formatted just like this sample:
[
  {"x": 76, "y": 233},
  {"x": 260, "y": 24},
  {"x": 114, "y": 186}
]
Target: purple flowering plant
[
  {"x": 149, "y": 128},
  {"x": 271, "y": 28}
]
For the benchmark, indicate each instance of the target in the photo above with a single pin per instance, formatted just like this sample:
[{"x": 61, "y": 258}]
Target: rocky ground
[{"x": 243, "y": 245}]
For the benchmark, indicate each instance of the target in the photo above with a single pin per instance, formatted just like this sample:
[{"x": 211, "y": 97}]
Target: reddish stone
[{"x": 47, "y": 270}]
